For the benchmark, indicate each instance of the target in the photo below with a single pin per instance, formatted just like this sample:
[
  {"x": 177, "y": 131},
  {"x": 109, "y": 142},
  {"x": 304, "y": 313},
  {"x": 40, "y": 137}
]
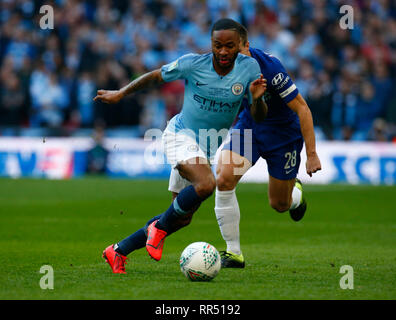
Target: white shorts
[{"x": 179, "y": 147}]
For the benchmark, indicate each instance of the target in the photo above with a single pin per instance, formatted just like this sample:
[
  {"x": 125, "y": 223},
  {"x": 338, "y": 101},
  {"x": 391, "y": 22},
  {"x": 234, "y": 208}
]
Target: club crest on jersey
[
  {"x": 277, "y": 79},
  {"x": 237, "y": 89},
  {"x": 193, "y": 148}
]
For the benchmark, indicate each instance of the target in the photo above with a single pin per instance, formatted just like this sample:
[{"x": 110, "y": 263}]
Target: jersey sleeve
[
  {"x": 177, "y": 69},
  {"x": 280, "y": 82}
]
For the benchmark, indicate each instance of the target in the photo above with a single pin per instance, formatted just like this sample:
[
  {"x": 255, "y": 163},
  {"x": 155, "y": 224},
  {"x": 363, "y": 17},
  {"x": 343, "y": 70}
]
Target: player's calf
[
  {"x": 199, "y": 173},
  {"x": 178, "y": 215},
  {"x": 182, "y": 221},
  {"x": 225, "y": 183},
  {"x": 279, "y": 205},
  {"x": 205, "y": 188}
]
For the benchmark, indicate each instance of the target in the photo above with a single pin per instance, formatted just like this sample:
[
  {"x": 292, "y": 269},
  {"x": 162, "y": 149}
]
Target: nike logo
[
  {"x": 200, "y": 84},
  {"x": 158, "y": 246},
  {"x": 288, "y": 171}
]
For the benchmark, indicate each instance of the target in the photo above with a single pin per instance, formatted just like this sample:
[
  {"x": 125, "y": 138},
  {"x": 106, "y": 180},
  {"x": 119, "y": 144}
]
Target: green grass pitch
[{"x": 67, "y": 224}]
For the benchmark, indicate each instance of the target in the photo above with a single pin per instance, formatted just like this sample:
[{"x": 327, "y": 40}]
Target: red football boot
[
  {"x": 116, "y": 261},
  {"x": 155, "y": 241}
]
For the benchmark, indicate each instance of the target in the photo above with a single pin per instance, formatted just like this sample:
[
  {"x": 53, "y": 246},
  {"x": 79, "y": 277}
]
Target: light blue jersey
[{"x": 211, "y": 102}]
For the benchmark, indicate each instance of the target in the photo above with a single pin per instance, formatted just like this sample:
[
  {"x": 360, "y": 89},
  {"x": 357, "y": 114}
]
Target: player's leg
[
  {"x": 178, "y": 148},
  {"x": 152, "y": 236},
  {"x": 202, "y": 183},
  {"x": 280, "y": 193},
  {"x": 287, "y": 195},
  {"x": 116, "y": 255},
  {"x": 198, "y": 172},
  {"x": 176, "y": 184},
  {"x": 237, "y": 156},
  {"x": 191, "y": 180},
  {"x": 184, "y": 220},
  {"x": 229, "y": 171},
  {"x": 284, "y": 190},
  {"x": 138, "y": 239}
]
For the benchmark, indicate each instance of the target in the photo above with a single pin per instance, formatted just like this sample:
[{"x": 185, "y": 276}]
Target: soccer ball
[{"x": 200, "y": 261}]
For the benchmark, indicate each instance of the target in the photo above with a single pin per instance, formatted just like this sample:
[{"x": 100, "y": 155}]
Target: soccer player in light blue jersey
[
  {"x": 278, "y": 139},
  {"x": 215, "y": 84}
]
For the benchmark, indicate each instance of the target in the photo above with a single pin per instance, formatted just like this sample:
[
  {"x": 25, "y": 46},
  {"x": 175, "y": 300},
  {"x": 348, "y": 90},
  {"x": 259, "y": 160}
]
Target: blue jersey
[
  {"x": 280, "y": 90},
  {"x": 210, "y": 101},
  {"x": 278, "y": 138}
]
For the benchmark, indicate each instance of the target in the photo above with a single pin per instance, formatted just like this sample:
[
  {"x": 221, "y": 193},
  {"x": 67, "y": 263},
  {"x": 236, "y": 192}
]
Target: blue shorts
[{"x": 279, "y": 145}]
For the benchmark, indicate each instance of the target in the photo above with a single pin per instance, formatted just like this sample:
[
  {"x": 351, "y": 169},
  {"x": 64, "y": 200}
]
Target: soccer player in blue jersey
[
  {"x": 215, "y": 84},
  {"x": 278, "y": 139}
]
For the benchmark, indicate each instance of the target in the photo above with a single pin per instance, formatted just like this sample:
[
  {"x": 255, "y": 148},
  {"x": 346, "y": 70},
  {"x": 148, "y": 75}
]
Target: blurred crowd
[{"x": 49, "y": 77}]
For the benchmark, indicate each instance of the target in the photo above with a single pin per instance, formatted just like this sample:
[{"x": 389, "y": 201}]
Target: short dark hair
[
  {"x": 243, "y": 33},
  {"x": 229, "y": 24}
]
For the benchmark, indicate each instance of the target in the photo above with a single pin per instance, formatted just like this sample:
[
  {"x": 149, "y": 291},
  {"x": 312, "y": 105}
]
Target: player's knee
[
  {"x": 279, "y": 205},
  {"x": 205, "y": 188},
  {"x": 224, "y": 183}
]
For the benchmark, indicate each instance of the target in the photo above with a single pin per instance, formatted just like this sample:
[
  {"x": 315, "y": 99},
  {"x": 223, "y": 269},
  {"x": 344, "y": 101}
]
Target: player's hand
[
  {"x": 258, "y": 87},
  {"x": 108, "y": 96},
  {"x": 313, "y": 164}
]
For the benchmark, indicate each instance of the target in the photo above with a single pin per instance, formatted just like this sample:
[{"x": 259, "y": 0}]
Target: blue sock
[
  {"x": 151, "y": 221},
  {"x": 135, "y": 241},
  {"x": 186, "y": 200}
]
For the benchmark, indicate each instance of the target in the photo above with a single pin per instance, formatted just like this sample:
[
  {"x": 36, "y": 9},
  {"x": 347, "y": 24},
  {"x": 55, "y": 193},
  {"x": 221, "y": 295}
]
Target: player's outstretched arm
[
  {"x": 259, "y": 108},
  {"x": 299, "y": 106},
  {"x": 147, "y": 80}
]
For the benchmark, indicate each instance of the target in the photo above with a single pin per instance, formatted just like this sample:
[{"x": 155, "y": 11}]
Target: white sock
[
  {"x": 228, "y": 217},
  {"x": 296, "y": 198}
]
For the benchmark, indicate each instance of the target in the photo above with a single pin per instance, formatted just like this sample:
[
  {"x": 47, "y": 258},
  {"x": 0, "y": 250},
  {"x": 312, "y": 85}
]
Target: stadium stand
[{"x": 48, "y": 77}]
